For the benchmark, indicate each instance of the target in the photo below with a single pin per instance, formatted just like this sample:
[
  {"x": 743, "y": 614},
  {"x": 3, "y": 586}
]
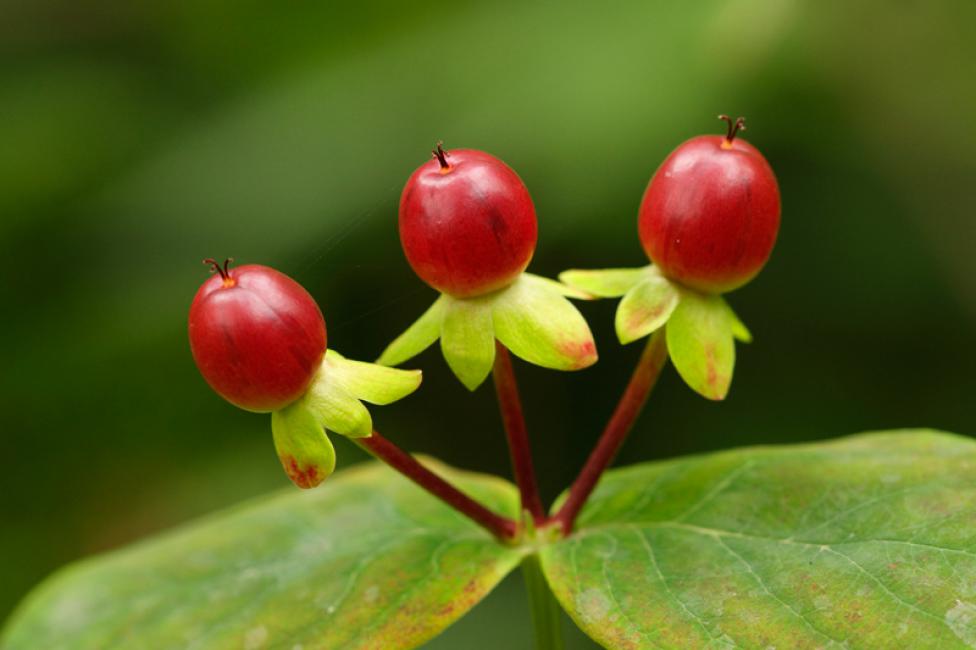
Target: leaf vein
[
  {"x": 649, "y": 549},
  {"x": 716, "y": 490},
  {"x": 762, "y": 583}
]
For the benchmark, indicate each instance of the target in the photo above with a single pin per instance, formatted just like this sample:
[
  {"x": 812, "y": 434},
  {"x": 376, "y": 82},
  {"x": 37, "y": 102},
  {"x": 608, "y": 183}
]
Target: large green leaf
[
  {"x": 367, "y": 560},
  {"x": 867, "y": 542}
]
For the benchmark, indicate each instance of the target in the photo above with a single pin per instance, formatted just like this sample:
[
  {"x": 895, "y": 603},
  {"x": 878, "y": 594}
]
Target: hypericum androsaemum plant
[{"x": 866, "y": 542}]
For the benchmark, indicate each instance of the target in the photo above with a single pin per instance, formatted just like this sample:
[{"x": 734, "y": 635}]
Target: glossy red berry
[
  {"x": 256, "y": 335},
  {"x": 467, "y": 223},
  {"x": 710, "y": 214}
]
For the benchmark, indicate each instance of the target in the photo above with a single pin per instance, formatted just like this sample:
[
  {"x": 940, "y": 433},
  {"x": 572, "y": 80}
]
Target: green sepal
[
  {"x": 562, "y": 288},
  {"x": 370, "y": 382},
  {"x": 538, "y": 324},
  {"x": 532, "y": 317},
  {"x": 701, "y": 344},
  {"x": 337, "y": 409},
  {"x": 606, "y": 283},
  {"x": 468, "y": 339},
  {"x": 645, "y": 308},
  {"x": 418, "y": 337},
  {"x": 739, "y": 329},
  {"x": 305, "y": 451},
  {"x": 335, "y": 394}
]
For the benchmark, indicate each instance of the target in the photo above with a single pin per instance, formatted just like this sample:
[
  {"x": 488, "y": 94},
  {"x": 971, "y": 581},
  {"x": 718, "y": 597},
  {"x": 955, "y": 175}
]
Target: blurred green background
[{"x": 138, "y": 138}]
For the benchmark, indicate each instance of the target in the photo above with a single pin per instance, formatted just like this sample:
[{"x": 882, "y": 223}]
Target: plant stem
[
  {"x": 518, "y": 437},
  {"x": 545, "y": 610},
  {"x": 501, "y": 527},
  {"x": 645, "y": 375}
]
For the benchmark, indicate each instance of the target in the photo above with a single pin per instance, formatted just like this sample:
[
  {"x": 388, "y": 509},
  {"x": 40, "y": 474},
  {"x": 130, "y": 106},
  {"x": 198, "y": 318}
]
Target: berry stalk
[
  {"x": 501, "y": 527},
  {"x": 642, "y": 380},
  {"x": 510, "y": 406}
]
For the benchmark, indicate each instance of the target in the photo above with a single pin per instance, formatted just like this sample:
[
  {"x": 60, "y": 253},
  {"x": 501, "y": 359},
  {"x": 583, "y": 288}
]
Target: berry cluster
[{"x": 708, "y": 221}]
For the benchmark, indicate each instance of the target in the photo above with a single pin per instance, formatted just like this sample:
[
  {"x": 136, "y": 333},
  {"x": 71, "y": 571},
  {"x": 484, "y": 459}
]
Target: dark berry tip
[
  {"x": 739, "y": 124},
  {"x": 223, "y": 271},
  {"x": 441, "y": 155}
]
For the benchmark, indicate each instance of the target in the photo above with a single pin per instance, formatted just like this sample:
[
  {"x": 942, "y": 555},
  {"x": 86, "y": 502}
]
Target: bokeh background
[{"x": 138, "y": 138}]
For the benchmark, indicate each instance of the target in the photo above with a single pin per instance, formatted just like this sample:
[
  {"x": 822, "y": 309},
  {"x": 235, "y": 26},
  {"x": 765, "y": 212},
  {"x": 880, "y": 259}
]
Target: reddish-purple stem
[
  {"x": 501, "y": 527},
  {"x": 518, "y": 436},
  {"x": 641, "y": 382}
]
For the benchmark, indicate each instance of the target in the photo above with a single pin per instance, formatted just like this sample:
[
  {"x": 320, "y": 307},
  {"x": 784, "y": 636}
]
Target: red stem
[
  {"x": 518, "y": 436},
  {"x": 645, "y": 375},
  {"x": 501, "y": 527}
]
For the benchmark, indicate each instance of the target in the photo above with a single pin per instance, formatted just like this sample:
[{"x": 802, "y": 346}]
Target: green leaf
[
  {"x": 370, "y": 382},
  {"x": 645, "y": 307},
  {"x": 701, "y": 345},
  {"x": 304, "y": 449},
  {"x": 538, "y": 324},
  {"x": 367, "y": 561},
  {"x": 864, "y": 542},
  {"x": 605, "y": 283},
  {"x": 468, "y": 340},
  {"x": 739, "y": 329},
  {"x": 418, "y": 337}
]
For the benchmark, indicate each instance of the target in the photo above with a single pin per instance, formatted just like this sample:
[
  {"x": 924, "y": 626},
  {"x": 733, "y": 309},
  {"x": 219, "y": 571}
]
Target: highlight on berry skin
[
  {"x": 708, "y": 221},
  {"x": 468, "y": 229}
]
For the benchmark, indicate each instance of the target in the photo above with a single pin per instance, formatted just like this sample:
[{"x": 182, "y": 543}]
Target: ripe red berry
[
  {"x": 467, "y": 223},
  {"x": 710, "y": 214},
  {"x": 256, "y": 335}
]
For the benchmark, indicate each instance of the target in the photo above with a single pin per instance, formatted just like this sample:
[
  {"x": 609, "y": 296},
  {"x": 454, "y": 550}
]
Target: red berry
[
  {"x": 467, "y": 223},
  {"x": 710, "y": 214},
  {"x": 257, "y": 336}
]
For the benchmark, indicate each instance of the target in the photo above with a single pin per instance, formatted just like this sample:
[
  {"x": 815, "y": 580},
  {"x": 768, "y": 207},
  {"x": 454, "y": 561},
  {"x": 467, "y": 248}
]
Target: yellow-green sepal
[
  {"x": 605, "y": 283},
  {"x": 646, "y": 307},
  {"x": 418, "y": 337},
  {"x": 334, "y": 402},
  {"x": 534, "y": 320},
  {"x": 370, "y": 382},
  {"x": 739, "y": 329},
  {"x": 701, "y": 343},
  {"x": 701, "y": 329},
  {"x": 531, "y": 317},
  {"x": 468, "y": 339},
  {"x": 304, "y": 449}
]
